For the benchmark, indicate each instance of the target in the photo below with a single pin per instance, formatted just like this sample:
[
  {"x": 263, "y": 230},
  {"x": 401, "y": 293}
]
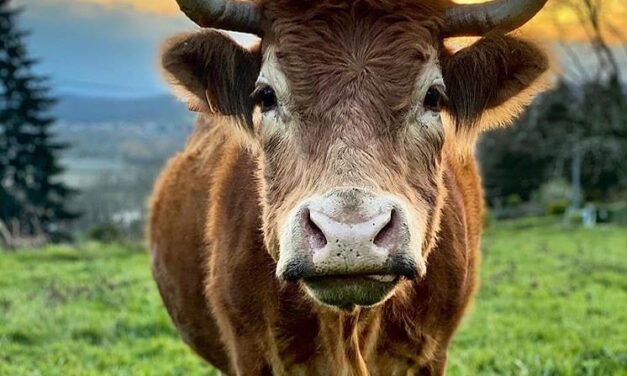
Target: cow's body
[
  {"x": 330, "y": 224},
  {"x": 267, "y": 325}
]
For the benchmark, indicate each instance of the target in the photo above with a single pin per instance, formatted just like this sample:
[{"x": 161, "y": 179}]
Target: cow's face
[
  {"x": 348, "y": 118},
  {"x": 345, "y": 110}
]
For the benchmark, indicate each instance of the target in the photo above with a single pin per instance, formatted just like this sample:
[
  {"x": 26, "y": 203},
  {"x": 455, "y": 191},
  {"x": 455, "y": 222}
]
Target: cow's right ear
[{"x": 211, "y": 73}]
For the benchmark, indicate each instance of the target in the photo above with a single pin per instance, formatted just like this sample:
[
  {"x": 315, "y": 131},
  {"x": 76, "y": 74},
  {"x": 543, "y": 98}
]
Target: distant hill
[
  {"x": 105, "y": 132},
  {"x": 163, "y": 109}
]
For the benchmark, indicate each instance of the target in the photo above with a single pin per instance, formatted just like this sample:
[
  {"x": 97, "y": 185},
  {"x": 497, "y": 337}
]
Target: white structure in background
[{"x": 127, "y": 217}]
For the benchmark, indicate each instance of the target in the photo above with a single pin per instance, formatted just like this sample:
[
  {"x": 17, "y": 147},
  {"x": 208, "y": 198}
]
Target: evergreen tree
[{"x": 32, "y": 195}]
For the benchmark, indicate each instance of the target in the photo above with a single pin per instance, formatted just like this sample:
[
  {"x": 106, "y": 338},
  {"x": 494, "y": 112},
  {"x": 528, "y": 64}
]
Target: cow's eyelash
[
  {"x": 264, "y": 97},
  {"x": 442, "y": 90},
  {"x": 254, "y": 96}
]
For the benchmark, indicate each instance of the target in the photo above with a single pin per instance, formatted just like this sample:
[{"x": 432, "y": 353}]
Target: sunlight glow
[
  {"x": 557, "y": 21},
  {"x": 167, "y": 7}
]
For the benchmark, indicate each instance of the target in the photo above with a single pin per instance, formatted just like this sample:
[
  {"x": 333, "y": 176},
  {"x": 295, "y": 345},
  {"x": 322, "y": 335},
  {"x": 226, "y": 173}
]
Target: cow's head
[{"x": 350, "y": 105}]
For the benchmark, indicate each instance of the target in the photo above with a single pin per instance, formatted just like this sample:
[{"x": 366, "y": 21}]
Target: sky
[
  {"x": 88, "y": 48},
  {"x": 109, "y": 47}
]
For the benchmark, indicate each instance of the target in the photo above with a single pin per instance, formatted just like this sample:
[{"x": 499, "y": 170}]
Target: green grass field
[{"x": 552, "y": 302}]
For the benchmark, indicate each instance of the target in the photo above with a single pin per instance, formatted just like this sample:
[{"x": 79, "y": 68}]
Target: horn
[
  {"x": 243, "y": 16},
  {"x": 479, "y": 19}
]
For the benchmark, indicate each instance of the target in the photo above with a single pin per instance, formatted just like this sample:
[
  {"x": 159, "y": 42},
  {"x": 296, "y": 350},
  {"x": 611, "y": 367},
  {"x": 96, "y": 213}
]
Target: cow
[{"x": 325, "y": 216}]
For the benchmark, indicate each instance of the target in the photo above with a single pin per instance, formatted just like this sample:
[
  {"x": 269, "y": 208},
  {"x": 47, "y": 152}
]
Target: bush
[
  {"x": 513, "y": 200},
  {"x": 556, "y": 208},
  {"x": 573, "y": 217},
  {"x": 555, "y": 196},
  {"x": 106, "y": 233},
  {"x": 617, "y": 214},
  {"x": 488, "y": 217}
]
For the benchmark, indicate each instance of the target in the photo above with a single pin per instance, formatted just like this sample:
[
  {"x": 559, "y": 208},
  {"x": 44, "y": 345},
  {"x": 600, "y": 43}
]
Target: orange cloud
[
  {"x": 557, "y": 21},
  {"x": 560, "y": 21},
  {"x": 149, "y": 6}
]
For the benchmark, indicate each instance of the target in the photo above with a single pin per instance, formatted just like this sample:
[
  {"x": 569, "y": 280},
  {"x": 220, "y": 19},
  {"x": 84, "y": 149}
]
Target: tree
[
  {"x": 32, "y": 195},
  {"x": 577, "y": 132},
  {"x": 597, "y": 136},
  {"x": 587, "y": 137}
]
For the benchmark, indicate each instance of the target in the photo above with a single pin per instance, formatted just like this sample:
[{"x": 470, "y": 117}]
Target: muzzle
[{"x": 349, "y": 247}]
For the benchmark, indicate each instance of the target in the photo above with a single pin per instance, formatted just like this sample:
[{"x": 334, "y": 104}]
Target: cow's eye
[
  {"x": 434, "y": 99},
  {"x": 265, "y": 98}
]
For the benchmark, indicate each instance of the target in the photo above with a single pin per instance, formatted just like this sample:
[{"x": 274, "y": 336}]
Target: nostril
[
  {"x": 388, "y": 236},
  {"x": 314, "y": 234}
]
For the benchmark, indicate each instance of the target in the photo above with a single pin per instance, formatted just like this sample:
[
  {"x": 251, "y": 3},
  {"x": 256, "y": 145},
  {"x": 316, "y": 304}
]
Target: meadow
[{"x": 553, "y": 301}]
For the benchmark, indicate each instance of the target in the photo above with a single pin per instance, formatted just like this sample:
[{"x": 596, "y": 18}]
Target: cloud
[
  {"x": 149, "y": 6},
  {"x": 160, "y": 7},
  {"x": 98, "y": 49},
  {"x": 560, "y": 21}
]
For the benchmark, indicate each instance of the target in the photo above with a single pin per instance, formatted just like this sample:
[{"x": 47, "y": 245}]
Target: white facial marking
[
  {"x": 431, "y": 76},
  {"x": 271, "y": 75}
]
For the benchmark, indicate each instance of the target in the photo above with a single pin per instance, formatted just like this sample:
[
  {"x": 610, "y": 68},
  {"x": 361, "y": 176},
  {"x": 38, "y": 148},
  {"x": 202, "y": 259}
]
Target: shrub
[
  {"x": 106, "y": 233},
  {"x": 617, "y": 214},
  {"x": 556, "y": 208},
  {"x": 555, "y": 196}
]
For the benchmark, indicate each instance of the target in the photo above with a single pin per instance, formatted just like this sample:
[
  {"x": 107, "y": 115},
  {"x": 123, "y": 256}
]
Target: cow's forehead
[{"x": 370, "y": 59}]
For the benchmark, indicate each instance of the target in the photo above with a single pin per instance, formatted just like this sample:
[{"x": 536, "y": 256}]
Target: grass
[
  {"x": 552, "y": 302},
  {"x": 91, "y": 310}
]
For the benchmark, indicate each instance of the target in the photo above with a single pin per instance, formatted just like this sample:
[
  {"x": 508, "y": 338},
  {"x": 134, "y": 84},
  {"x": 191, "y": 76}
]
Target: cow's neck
[{"x": 348, "y": 338}]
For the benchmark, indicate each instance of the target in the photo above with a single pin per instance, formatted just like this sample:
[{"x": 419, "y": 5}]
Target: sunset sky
[
  {"x": 615, "y": 10},
  {"x": 109, "y": 47}
]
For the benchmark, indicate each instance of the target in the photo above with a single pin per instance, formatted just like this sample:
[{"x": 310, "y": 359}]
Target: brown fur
[
  {"x": 217, "y": 208},
  {"x": 210, "y": 74}
]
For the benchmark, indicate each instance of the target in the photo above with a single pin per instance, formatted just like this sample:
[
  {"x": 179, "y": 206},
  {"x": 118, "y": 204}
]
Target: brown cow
[{"x": 325, "y": 217}]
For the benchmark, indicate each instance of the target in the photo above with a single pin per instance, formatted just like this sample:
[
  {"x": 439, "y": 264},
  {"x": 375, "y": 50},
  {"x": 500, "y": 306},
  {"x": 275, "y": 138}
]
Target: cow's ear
[
  {"x": 491, "y": 81},
  {"x": 211, "y": 73}
]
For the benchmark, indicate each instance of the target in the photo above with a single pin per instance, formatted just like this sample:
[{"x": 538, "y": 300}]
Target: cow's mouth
[{"x": 347, "y": 291}]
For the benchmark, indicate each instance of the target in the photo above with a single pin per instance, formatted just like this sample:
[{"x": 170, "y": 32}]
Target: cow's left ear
[{"x": 492, "y": 81}]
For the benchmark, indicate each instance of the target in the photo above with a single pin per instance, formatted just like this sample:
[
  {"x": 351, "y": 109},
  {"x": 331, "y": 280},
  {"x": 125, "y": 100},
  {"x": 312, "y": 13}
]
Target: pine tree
[{"x": 32, "y": 196}]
